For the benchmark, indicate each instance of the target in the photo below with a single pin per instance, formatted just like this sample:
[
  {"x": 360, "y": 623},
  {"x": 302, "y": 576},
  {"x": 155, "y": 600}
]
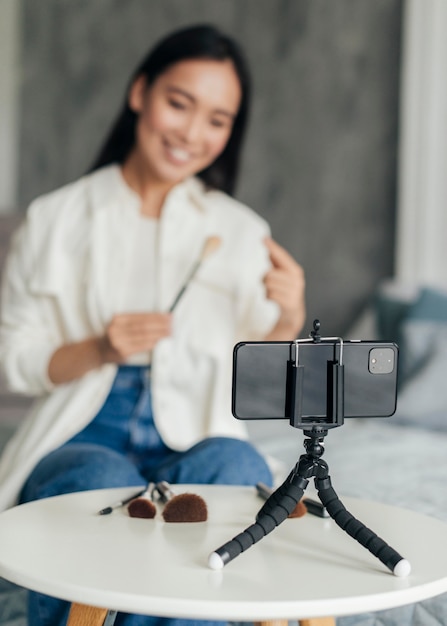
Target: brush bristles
[
  {"x": 210, "y": 246},
  {"x": 299, "y": 510},
  {"x": 186, "y": 507},
  {"x": 142, "y": 507}
]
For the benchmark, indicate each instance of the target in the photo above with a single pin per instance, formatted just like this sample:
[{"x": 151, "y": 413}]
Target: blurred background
[
  {"x": 347, "y": 146},
  {"x": 345, "y": 157}
]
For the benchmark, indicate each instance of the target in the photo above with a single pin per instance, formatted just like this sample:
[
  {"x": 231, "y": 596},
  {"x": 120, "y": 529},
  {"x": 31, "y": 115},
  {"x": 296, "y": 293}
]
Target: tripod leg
[
  {"x": 286, "y": 496},
  {"x": 274, "y": 511},
  {"x": 356, "y": 529}
]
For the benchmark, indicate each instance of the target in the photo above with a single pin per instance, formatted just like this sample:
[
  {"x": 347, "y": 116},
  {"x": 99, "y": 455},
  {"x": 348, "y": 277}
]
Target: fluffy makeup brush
[
  {"x": 211, "y": 244},
  {"x": 184, "y": 507},
  {"x": 143, "y": 506}
]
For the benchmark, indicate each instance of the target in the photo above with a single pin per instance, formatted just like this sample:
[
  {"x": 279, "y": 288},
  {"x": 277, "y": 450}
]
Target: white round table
[{"x": 305, "y": 568}]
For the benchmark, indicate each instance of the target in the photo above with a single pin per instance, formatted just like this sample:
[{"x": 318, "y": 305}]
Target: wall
[
  {"x": 421, "y": 253},
  {"x": 320, "y": 160},
  {"x": 9, "y": 99}
]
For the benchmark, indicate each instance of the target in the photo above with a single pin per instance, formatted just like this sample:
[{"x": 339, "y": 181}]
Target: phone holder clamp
[{"x": 334, "y": 386}]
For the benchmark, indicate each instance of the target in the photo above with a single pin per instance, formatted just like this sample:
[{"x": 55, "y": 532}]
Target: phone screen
[{"x": 260, "y": 379}]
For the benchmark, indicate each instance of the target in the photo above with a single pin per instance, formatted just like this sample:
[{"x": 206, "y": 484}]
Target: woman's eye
[
  {"x": 176, "y": 104},
  {"x": 220, "y": 123}
]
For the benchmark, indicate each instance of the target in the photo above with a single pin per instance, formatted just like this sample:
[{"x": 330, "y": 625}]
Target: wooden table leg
[
  {"x": 84, "y": 615},
  {"x": 317, "y": 621}
]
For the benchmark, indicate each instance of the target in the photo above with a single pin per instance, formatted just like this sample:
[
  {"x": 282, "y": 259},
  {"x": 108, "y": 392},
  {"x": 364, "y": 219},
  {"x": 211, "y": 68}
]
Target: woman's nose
[{"x": 192, "y": 129}]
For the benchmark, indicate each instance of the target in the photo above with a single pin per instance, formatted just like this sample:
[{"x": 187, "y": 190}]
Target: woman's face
[{"x": 185, "y": 117}]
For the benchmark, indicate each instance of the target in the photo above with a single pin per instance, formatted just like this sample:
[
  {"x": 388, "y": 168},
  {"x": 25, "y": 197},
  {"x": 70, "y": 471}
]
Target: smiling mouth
[{"x": 180, "y": 155}]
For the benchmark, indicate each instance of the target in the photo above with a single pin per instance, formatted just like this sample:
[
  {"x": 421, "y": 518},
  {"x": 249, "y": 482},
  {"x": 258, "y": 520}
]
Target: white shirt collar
[{"x": 108, "y": 185}]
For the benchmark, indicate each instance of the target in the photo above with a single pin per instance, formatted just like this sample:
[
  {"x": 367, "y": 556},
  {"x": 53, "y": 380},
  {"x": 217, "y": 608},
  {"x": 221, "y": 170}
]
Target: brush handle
[
  {"x": 120, "y": 503},
  {"x": 165, "y": 491},
  {"x": 185, "y": 285}
]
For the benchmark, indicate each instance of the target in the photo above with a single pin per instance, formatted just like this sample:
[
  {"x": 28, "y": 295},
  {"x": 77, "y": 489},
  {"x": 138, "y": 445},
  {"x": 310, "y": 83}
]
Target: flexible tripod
[{"x": 283, "y": 501}]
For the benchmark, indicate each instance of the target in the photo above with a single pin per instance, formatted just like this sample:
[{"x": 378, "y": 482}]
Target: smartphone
[{"x": 260, "y": 378}]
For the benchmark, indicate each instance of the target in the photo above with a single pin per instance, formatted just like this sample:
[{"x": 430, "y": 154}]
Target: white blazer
[{"x": 65, "y": 277}]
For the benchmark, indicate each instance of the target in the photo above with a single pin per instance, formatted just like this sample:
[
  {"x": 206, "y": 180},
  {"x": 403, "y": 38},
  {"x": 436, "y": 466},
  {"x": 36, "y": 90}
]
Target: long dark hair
[{"x": 196, "y": 42}]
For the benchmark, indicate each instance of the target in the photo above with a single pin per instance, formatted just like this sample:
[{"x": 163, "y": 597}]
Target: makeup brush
[
  {"x": 120, "y": 503},
  {"x": 211, "y": 244},
  {"x": 184, "y": 507},
  {"x": 143, "y": 506},
  {"x": 265, "y": 493}
]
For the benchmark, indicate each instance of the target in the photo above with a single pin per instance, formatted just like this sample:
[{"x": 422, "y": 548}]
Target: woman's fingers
[
  {"x": 285, "y": 284},
  {"x": 130, "y": 333}
]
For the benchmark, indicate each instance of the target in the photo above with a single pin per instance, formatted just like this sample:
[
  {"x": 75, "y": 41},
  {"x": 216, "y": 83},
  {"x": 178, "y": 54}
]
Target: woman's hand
[
  {"x": 285, "y": 284},
  {"x": 131, "y": 333},
  {"x": 127, "y": 334}
]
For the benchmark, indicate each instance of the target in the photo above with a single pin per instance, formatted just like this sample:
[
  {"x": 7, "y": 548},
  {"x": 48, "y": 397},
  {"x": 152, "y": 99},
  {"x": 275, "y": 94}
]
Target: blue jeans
[{"x": 121, "y": 447}]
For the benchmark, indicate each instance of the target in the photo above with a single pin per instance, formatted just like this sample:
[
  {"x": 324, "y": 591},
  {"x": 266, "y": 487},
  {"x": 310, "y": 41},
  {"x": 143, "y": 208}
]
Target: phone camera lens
[{"x": 381, "y": 361}]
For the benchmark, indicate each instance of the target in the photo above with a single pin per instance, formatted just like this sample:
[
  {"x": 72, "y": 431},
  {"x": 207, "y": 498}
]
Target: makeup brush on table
[
  {"x": 143, "y": 505},
  {"x": 184, "y": 507},
  {"x": 116, "y": 505},
  {"x": 211, "y": 244}
]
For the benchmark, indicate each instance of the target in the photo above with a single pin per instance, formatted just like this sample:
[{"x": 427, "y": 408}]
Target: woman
[{"x": 130, "y": 391}]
